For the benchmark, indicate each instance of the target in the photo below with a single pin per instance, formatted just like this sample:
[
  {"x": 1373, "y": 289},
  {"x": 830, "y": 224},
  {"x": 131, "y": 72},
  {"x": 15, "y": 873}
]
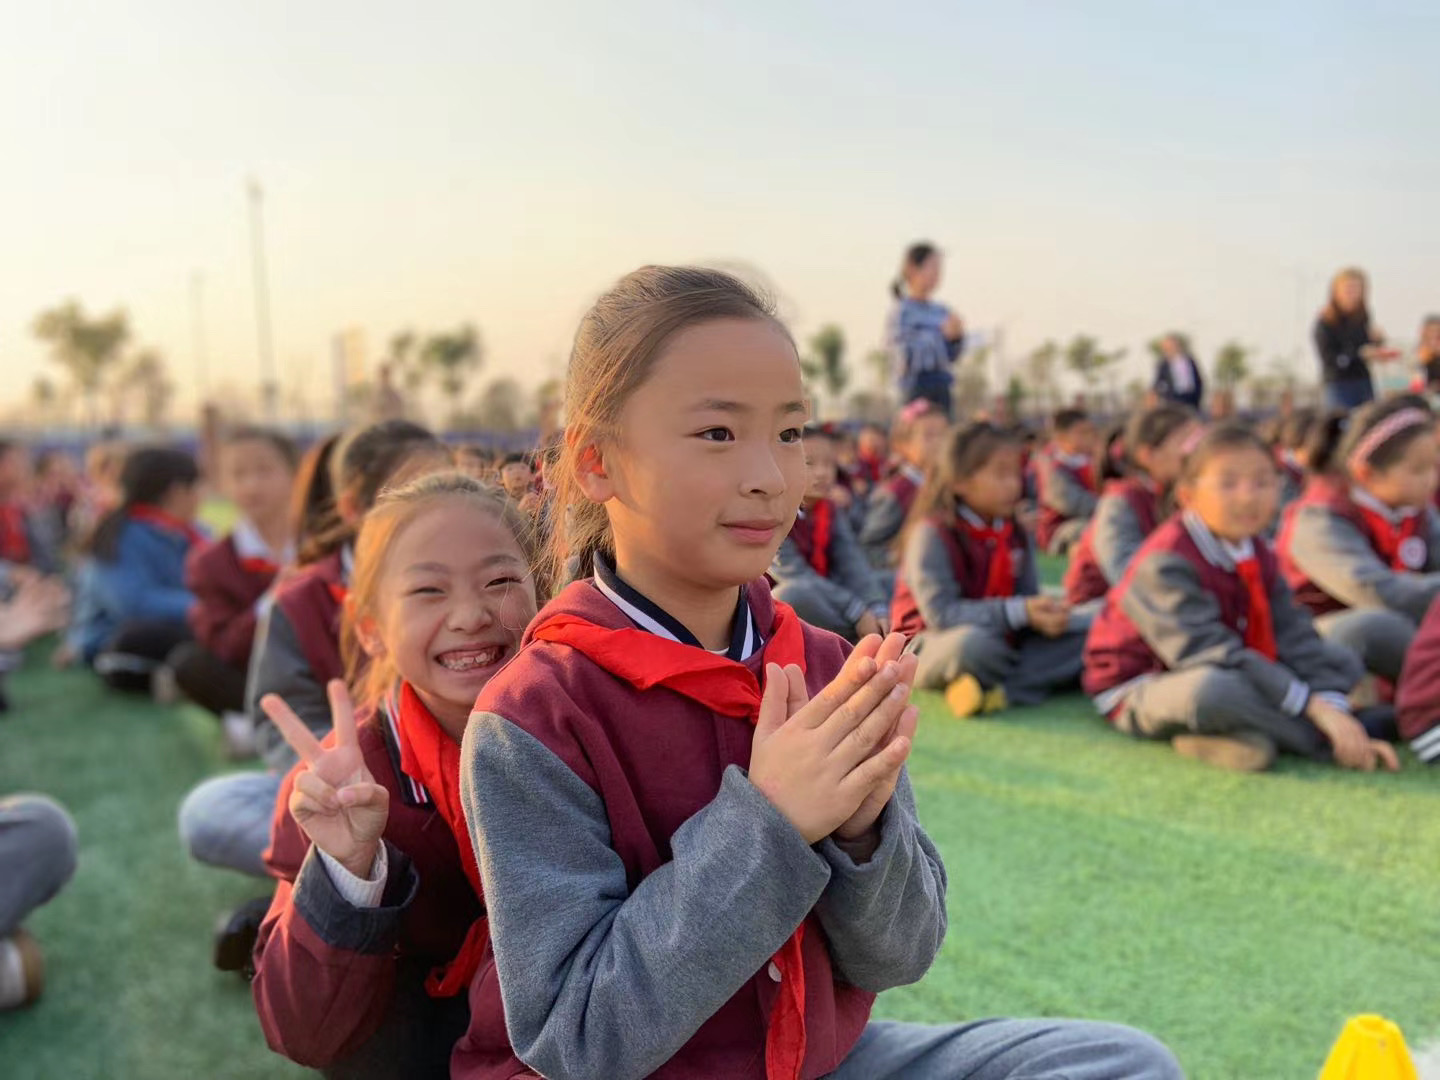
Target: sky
[{"x": 1116, "y": 170}]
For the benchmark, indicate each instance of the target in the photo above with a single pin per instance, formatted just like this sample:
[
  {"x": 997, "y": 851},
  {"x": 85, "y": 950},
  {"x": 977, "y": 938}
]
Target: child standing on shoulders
[
  {"x": 364, "y": 962},
  {"x": 231, "y": 577},
  {"x": 1138, "y": 476},
  {"x": 918, "y": 434},
  {"x": 1202, "y": 643},
  {"x": 1359, "y": 548},
  {"x": 925, "y": 337},
  {"x": 968, "y": 590},
  {"x": 717, "y": 793},
  {"x": 1065, "y": 476},
  {"x": 819, "y": 568}
]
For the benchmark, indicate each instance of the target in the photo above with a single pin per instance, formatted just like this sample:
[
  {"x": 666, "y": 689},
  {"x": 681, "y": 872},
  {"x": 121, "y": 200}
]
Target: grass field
[{"x": 1240, "y": 918}]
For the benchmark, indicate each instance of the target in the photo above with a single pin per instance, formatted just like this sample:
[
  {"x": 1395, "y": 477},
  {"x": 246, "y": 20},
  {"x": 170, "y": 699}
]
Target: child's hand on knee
[{"x": 819, "y": 761}]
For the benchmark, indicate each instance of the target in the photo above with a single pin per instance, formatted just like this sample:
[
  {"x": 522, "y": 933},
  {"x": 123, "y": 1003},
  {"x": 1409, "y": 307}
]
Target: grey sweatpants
[
  {"x": 1007, "y": 1050},
  {"x": 1209, "y": 700},
  {"x": 226, "y": 820},
  {"x": 1030, "y": 670},
  {"x": 816, "y": 606},
  {"x": 37, "y": 855},
  {"x": 1378, "y": 636}
]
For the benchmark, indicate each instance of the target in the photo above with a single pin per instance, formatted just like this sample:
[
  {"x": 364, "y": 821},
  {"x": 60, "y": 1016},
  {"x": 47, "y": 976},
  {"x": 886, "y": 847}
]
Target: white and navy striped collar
[
  {"x": 412, "y": 791},
  {"x": 1070, "y": 461},
  {"x": 347, "y": 563},
  {"x": 971, "y": 518},
  {"x": 915, "y": 475},
  {"x": 1393, "y": 514},
  {"x": 745, "y": 638},
  {"x": 1217, "y": 552},
  {"x": 249, "y": 544}
]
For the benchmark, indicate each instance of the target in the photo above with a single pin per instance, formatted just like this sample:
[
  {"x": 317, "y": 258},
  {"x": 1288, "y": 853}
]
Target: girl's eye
[
  {"x": 426, "y": 590},
  {"x": 504, "y": 581},
  {"x": 717, "y": 434},
  {"x": 790, "y": 435}
]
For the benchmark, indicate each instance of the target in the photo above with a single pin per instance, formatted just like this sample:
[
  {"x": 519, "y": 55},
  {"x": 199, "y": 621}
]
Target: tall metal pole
[
  {"x": 197, "y": 331},
  {"x": 269, "y": 387}
]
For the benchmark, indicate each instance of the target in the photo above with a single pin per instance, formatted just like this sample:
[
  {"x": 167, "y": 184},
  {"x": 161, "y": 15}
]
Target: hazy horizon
[{"x": 1115, "y": 173}]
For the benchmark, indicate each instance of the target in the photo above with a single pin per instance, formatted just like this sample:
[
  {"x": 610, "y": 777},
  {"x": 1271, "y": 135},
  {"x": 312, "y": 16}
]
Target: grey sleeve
[
  {"x": 1323, "y": 669},
  {"x": 885, "y": 919},
  {"x": 1180, "y": 621},
  {"x": 1115, "y": 538},
  {"x": 340, "y": 923},
  {"x": 1061, "y": 493},
  {"x": 789, "y": 565},
  {"x": 1338, "y": 558},
  {"x": 597, "y": 979},
  {"x": 926, "y": 569},
  {"x": 1432, "y": 524},
  {"x": 850, "y": 569},
  {"x": 884, "y": 517},
  {"x": 278, "y": 666}
]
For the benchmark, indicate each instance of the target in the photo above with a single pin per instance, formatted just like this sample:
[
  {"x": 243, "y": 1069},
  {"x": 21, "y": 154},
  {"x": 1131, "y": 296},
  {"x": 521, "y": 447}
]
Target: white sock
[{"x": 12, "y": 974}]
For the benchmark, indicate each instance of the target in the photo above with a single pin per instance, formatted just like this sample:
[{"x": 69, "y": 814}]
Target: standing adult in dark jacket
[
  {"x": 1345, "y": 340},
  {"x": 1177, "y": 375}
]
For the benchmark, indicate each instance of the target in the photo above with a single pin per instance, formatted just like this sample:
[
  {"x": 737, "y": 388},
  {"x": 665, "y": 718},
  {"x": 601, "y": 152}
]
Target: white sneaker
[
  {"x": 239, "y": 731},
  {"x": 22, "y": 971},
  {"x": 163, "y": 687}
]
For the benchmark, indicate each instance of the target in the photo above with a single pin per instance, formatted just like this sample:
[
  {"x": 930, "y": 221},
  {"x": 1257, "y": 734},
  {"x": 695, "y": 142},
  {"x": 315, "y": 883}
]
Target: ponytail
[
  {"x": 1112, "y": 459},
  {"x": 1322, "y": 444},
  {"x": 897, "y": 288}
]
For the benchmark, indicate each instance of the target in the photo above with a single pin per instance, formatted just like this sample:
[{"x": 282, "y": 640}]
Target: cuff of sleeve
[
  {"x": 359, "y": 892},
  {"x": 768, "y": 825},
  {"x": 1336, "y": 699},
  {"x": 1016, "y": 614},
  {"x": 854, "y": 610},
  {"x": 890, "y": 825},
  {"x": 262, "y": 606},
  {"x": 1295, "y": 699},
  {"x": 342, "y": 925}
]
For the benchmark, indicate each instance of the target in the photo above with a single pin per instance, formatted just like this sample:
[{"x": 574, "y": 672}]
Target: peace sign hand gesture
[{"x": 335, "y": 801}]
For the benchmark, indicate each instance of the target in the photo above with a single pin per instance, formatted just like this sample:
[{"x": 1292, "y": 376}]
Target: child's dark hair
[
  {"x": 616, "y": 346},
  {"x": 1112, "y": 461},
  {"x": 1220, "y": 439},
  {"x": 1379, "y": 434},
  {"x": 282, "y": 443},
  {"x": 312, "y": 501},
  {"x": 1065, "y": 419},
  {"x": 1148, "y": 428},
  {"x": 149, "y": 474},
  {"x": 916, "y": 256},
  {"x": 816, "y": 430},
  {"x": 364, "y": 463},
  {"x": 967, "y": 449},
  {"x": 1294, "y": 431},
  {"x": 515, "y": 457}
]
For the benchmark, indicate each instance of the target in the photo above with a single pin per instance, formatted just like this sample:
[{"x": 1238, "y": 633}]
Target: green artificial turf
[{"x": 1240, "y": 918}]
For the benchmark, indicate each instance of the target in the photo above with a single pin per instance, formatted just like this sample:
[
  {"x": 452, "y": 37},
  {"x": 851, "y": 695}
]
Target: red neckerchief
[
  {"x": 259, "y": 566},
  {"x": 727, "y": 687},
  {"x": 428, "y": 754},
  {"x": 14, "y": 538},
  {"x": 1388, "y": 537},
  {"x": 1000, "y": 579},
  {"x": 1259, "y": 625},
  {"x": 1086, "y": 473},
  {"x": 823, "y": 514},
  {"x": 153, "y": 515}
]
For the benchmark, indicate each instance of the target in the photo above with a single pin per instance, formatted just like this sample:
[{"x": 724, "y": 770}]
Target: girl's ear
[
  {"x": 593, "y": 476},
  {"x": 368, "y": 635},
  {"x": 1362, "y": 473},
  {"x": 348, "y": 508},
  {"x": 1184, "y": 489}
]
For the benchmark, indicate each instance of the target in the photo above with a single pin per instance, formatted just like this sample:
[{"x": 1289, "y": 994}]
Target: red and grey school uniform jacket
[
  {"x": 1182, "y": 605},
  {"x": 638, "y": 884},
  {"x": 331, "y": 976},
  {"x": 886, "y": 512},
  {"x": 230, "y": 578},
  {"x": 1334, "y": 556},
  {"x": 945, "y": 574},
  {"x": 1067, "y": 491},
  {"x": 848, "y": 579},
  {"x": 1128, "y": 511},
  {"x": 1417, "y": 694},
  {"x": 297, "y": 651}
]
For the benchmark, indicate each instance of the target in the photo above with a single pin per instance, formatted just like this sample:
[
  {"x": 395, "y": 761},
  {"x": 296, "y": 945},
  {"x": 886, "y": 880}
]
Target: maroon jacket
[
  {"x": 970, "y": 564},
  {"x": 655, "y": 758},
  {"x": 226, "y": 591},
  {"x": 327, "y": 975},
  {"x": 313, "y": 601},
  {"x": 1116, "y": 651},
  {"x": 1084, "y": 580},
  {"x": 1051, "y": 470},
  {"x": 1417, "y": 694}
]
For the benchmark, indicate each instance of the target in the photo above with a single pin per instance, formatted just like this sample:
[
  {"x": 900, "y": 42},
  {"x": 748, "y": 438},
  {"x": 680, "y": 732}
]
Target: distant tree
[
  {"x": 501, "y": 406},
  {"x": 453, "y": 358},
  {"x": 88, "y": 349},
  {"x": 403, "y": 356},
  {"x": 1040, "y": 370},
  {"x": 879, "y": 362},
  {"x": 869, "y": 407},
  {"x": 1015, "y": 395},
  {"x": 1232, "y": 365},
  {"x": 144, "y": 376},
  {"x": 971, "y": 390},
  {"x": 1084, "y": 356}
]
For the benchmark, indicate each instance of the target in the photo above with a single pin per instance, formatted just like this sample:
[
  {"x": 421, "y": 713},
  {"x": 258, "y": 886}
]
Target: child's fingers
[
  {"x": 861, "y": 702},
  {"x": 797, "y": 696},
  {"x": 300, "y": 738},
  {"x": 882, "y": 768},
  {"x": 366, "y": 795},
  {"x": 313, "y": 787},
  {"x": 1385, "y": 754},
  {"x": 874, "y": 730},
  {"x": 342, "y": 713},
  {"x": 858, "y": 670},
  {"x": 773, "y": 711},
  {"x": 890, "y": 649}
]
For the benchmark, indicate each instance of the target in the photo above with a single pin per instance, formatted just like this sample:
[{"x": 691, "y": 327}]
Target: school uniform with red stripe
[
  {"x": 1128, "y": 512},
  {"x": 229, "y": 577},
  {"x": 988, "y": 561},
  {"x": 1066, "y": 491},
  {"x": 659, "y": 917}
]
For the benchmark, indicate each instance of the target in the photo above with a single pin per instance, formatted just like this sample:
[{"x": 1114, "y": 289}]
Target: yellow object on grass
[{"x": 1370, "y": 1048}]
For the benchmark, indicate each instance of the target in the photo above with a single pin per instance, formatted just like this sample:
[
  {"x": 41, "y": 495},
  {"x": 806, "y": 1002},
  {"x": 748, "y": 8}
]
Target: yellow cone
[{"x": 1370, "y": 1048}]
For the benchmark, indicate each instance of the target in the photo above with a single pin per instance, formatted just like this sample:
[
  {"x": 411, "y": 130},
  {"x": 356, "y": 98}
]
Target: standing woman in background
[
  {"x": 1345, "y": 340},
  {"x": 924, "y": 337}
]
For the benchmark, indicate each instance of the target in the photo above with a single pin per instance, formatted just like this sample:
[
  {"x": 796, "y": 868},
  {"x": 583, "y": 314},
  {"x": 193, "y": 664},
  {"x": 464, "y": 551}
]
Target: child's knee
[
  {"x": 1116, "y": 1050},
  {"x": 53, "y": 843}
]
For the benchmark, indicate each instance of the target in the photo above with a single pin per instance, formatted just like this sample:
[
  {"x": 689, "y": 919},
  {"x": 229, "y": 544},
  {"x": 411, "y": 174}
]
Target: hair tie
[
  {"x": 1193, "y": 440},
  {"x": 1383, "y": 432},
  {"x": 913, "y": 411},
  {"x": 1117, "y": 450}
]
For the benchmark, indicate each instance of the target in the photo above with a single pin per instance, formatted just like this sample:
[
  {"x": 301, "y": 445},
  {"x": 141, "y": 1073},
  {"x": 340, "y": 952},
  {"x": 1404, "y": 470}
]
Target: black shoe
[
  {"x": 235, "y": 935},
  {"x": 1379, "y": 722}
]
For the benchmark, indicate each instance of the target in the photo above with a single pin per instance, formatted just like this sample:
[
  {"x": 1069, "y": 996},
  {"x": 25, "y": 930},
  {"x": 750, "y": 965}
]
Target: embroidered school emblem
[{"x": 1413, "y": 552}]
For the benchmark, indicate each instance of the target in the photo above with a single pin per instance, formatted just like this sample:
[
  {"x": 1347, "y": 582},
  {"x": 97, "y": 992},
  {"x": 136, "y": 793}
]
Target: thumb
[{"x": 774, "y": 700}]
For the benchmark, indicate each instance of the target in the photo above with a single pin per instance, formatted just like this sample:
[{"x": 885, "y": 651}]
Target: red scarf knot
[
  {"x": 1000, "y": 577},
  {"x": 1259, "y": 623}
]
